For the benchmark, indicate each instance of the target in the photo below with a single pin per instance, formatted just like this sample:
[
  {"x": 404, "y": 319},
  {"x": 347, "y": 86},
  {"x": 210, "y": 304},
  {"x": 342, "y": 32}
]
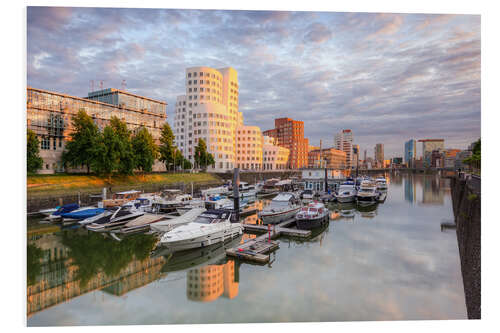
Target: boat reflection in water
[
  {"x": 368, "y": 210},
  {"x": 208, "y": 274}
]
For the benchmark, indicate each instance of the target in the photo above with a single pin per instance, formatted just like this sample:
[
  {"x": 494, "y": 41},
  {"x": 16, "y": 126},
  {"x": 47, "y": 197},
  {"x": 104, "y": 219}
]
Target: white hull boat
[
  {"x": 283, "y": 207},
  {"x": 211, "y": 227},
  {"x": 168, "y": 225}
]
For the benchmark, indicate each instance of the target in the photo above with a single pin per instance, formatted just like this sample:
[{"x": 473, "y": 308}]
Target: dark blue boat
[
  {"x": 66, "y": 209},
  {"x": 82, "y": 214}
]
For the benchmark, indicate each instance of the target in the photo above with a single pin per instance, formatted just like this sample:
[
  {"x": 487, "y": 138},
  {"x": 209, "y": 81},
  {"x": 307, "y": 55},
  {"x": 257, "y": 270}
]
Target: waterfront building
[
  {"x": 274, "y": 156},
  {"x": 289, "y": 133},
  {"x": 209, "y": 111},
  {"x": 410, "y": 152},
  {"x": 329, "y": 157},
  {"x": 428, "y": 145},
  {"x": 344, "y": 141},
  {"x": 49, "y": 115},
  {"x": 379, "y": 154},
  {"x": 314, "y": 178},
  {"x": 249, "y": 153}
]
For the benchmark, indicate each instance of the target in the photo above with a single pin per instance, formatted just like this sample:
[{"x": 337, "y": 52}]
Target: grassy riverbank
[{"x": 62, "y": 184}]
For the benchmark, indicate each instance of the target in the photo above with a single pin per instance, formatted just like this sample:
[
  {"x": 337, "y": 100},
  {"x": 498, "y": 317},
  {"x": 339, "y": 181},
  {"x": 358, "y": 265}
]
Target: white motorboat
[
  {"x": 367, "y": 192},
  {"x": 346, "y": 192},
  {"x": 307, "y": 195},
  {"x": 312, "y": 216},
  {"x": 119, "y": 217},
  {"x": 169, "y": 203},
  {"x": 245, "y": 190},
  {"x": 210, "y": 227},
  {"x": 215, "y": 191},
  {"x": 167, "y": 225},
  {"x": 283, "y": 207},
  {"x": 142, "y": 223},
  {"x": 381, "y": 184},
  {"x": 49, "y": 211}
]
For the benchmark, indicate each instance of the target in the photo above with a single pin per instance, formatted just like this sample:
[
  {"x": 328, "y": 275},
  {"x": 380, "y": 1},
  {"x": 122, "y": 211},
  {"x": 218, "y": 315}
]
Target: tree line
[{"x": 116, "y": 149}]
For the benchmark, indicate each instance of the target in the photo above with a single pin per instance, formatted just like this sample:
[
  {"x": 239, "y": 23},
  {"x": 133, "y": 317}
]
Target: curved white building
[
  {"x": 249, "y": 148},
  {"x": 209, "y": 110}
]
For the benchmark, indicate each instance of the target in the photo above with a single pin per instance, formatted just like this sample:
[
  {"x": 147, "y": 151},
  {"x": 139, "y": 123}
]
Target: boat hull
[
  {"x": 347, "y": 198},
  {"x": 205, "y": 240},
  {"x": 308, "y": 224},
  {"x": 274, "y": 218}
]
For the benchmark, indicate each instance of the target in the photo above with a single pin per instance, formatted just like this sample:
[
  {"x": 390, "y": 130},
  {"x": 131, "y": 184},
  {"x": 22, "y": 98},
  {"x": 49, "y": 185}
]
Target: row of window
[
  {"x": 45, "y": 143},
  {"x": 195, "y": 74}
]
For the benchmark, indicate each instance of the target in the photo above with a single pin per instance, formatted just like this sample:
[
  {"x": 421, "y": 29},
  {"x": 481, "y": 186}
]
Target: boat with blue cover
[
  {"x": 63, "y": 210},
  {"x": 81, "y": 214}
]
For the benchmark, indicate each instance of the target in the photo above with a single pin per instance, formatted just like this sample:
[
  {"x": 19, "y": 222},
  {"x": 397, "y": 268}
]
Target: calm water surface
[{"x": 387, "y": 262}]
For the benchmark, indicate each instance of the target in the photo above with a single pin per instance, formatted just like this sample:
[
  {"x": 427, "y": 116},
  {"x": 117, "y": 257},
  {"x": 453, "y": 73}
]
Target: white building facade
[
  {"x": 344, "y": 141},
  {"x": 209, "y": 111},
  {"x": 274, "y": 157}
]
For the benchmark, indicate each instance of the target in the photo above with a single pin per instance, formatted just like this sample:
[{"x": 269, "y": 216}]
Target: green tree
[
  {"x": 80, "y": 147},
  {"x": 145, "y": 150},
  {"x": 34, "y": 161},
  {"x": 166, "y": 148},
  {"x": 181, "y": 161},
  {"x": 126, "y": 160},
  {"x": 107, "y": 152},
  {"x": 475, "y": 159},
  {"x": 201, "y": 156}
]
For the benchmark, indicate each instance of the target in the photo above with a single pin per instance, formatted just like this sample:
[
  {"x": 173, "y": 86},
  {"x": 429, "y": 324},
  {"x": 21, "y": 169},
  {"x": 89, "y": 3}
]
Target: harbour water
[{"x": 391, "y": 261}]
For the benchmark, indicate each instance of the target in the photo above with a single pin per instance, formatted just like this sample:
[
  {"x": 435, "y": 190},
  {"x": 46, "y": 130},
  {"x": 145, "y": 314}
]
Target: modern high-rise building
[
  {"x": 209, "y": 111},
  {"x": 249, "y": 144},
  {"x": 356, "y": 154},
  {"x": 289, "y": 133},
  {"x": 410, "y": 152},
  {"x": 379, "y": 154},
  {"x": 428, "y": 146},
  {"x": 344, "y": 141}
]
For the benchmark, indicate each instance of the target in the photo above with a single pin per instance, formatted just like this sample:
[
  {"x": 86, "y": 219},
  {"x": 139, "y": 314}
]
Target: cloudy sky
[{"x": 388, "y": 77}]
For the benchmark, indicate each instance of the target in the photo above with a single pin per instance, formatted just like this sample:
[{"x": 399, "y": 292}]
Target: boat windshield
[{"x": 206, "y": 219}]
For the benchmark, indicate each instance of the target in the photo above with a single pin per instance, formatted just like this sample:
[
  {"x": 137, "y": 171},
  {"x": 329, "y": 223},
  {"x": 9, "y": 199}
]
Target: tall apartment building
[
  {"x": 274, "y": 157},
  {"x": 410, "y": 152},
  {"x": 344, "y": 141},
  {"x": 49, "y": 115},
  {"x": 330, "y": 158},
  {"x": 249, "y": 151},
  {"x": 428, "y": 146},
  {"x": 356, "y": 154},
  {"x": 379, "y": 154},
  {"x": 209, "y": 111},
  {"x": 289, "y": 133}
]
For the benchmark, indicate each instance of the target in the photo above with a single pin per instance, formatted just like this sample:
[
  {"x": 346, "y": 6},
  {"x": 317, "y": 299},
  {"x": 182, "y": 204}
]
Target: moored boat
[
  {"x": 283, "y": 207},
  {"x": 367, "y": 192},
  {"x": 346, "y": 192},
  {"x": 210, "y": 227},
  {"x": 314, "y": 215}
]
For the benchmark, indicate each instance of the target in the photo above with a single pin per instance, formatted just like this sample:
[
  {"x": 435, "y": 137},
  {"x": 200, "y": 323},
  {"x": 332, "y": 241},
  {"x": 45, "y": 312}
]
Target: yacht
[
  {"x": 367, "y": 192},
  {"x": 169, "y": 202},
  {"x": 283, "y": 207},
  {"x": 167, "y": 225},
  {"x": 210, "y": 227},
  {"x": 346, "y": 192},
  {"x": 81, "y": 214},
  {"x": 314, "y": 215},
  {"x": 120, "y": 198},
  {"x": 269, "y": 187},
  {"x": 215, "y": 191},
  {"x": 307, "y": 195},
  {"x": 245, "y": 190},
  {"x": 381, "y": 184}
]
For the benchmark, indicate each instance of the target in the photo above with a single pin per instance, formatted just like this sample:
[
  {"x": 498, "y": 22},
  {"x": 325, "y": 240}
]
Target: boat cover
[
  {"x": 83, "y": 214},
  {"x": 66, "y": 209}
]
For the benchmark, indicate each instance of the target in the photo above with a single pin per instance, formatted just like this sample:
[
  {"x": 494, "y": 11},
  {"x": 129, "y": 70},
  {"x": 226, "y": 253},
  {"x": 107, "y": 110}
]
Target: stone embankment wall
[
  {"x": 36, "y": 204},
  {"x": 466, "y": 196}
]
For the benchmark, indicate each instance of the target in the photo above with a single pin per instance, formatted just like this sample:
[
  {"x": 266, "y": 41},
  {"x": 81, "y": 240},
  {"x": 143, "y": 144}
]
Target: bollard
[{"x": 269, "y": 231}]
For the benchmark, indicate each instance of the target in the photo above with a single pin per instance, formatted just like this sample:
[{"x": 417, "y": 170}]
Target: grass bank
[{"x": 61, "y": 184}]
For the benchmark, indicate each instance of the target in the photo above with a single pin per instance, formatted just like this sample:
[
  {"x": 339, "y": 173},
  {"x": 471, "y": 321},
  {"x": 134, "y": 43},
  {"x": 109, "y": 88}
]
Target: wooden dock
[{"x": 258, "y": 249}]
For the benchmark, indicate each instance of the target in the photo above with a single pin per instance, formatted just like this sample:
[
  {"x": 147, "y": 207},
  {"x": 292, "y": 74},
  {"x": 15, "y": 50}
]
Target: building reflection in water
[
  {"x": 431, "y": 194},
  {"x": 57, "y": 280},
  {"x": 208, "y": 283},
  {"x": 410, "y": 189}
]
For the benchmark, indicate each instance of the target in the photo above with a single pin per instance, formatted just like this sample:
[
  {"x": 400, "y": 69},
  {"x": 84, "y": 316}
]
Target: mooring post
[
  {"x": 236, "y": 194},
  {"x": 269, "y": 232}
]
